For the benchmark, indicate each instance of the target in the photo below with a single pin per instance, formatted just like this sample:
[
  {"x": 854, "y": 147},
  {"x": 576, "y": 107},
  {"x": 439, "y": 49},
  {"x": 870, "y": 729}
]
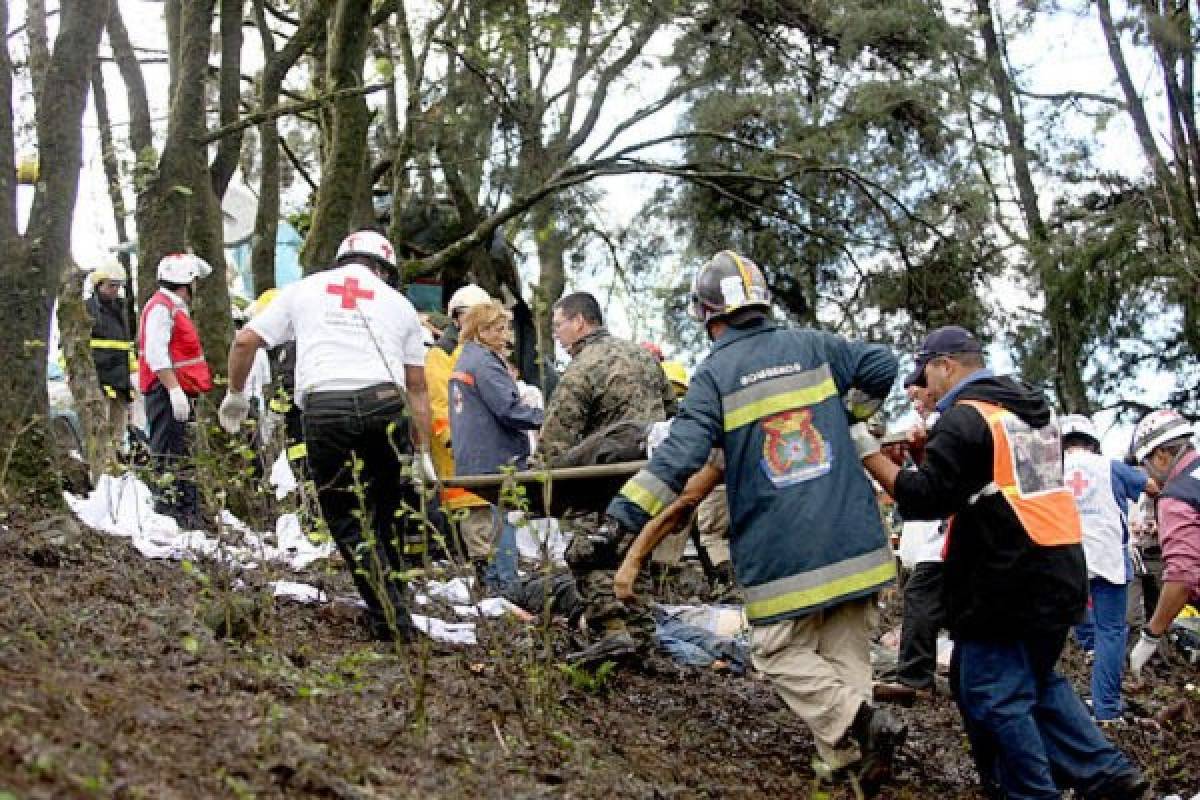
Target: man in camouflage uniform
[{"x": 609, "y": 380}]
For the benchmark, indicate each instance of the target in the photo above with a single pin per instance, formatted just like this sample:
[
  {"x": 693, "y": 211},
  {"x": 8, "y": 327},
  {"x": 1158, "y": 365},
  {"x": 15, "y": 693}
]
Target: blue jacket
[
  {"x": 805, "y": 532},
  {"x": 487, "y": 420}
]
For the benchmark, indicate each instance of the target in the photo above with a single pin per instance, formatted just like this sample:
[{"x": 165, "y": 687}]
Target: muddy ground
[{"x": 114, "y": 684}]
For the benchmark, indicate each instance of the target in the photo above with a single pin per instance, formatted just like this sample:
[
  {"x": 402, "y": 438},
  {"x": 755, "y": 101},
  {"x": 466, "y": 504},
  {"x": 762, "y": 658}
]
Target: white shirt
[
  {"x": 530, "y": 396},
  {"x": 922, "y": 540},
  {"x": 1089, "y": 477},
  {"x": 351, "y": 329},
  {"x": 156, "y": 339}
]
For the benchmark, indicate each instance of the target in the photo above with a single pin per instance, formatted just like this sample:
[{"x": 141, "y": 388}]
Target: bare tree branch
[{"x": 288, "y": 109}]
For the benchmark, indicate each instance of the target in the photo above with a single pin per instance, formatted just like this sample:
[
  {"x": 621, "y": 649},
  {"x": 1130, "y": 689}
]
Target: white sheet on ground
[
  {"x": 124, "y": 506},
  {"x": 282, "y": 477},
  {"x": 300, "y": 592},
  {"x": 442, "y": 631},
  {"x": 535, "y": 534}
]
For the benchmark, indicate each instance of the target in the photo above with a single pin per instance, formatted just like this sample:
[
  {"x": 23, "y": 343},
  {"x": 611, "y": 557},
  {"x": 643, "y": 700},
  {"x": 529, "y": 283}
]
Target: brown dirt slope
[{"x": 114, "y": 684}]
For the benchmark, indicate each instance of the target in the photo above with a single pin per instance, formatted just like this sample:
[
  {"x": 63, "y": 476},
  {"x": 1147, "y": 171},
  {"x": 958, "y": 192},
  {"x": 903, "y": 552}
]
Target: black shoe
[
  {"x": 614, "y": 647},
  {"x": 878, "y": 734},
  {"x": 403, "y": 632},
  {"x": 1131, "y": 785}
]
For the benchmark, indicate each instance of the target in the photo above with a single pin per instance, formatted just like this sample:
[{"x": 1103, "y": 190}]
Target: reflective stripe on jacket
[
  {"x": 110, "y": 345},
  {"x": 805, "y": 532}
]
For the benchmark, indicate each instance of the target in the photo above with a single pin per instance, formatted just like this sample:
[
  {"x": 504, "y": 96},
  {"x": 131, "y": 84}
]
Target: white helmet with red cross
[
  {"x": 182, "y": 268},
  {"x": 370, "y": 244}
]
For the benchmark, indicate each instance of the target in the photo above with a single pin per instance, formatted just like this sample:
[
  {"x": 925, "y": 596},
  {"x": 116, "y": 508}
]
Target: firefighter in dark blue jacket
[{"x": 806, "y": 541}]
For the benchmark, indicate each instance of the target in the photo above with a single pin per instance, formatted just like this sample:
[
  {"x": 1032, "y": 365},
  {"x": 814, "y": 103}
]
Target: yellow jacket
[{"x": 438, "y": 366}]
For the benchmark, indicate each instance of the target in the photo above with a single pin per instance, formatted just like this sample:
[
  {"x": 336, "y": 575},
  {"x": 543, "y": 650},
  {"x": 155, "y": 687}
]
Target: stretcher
[{"x": 551, "y": 492}]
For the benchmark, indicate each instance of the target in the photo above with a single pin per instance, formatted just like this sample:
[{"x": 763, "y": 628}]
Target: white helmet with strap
[
  {"x": 110, "y": 271},
  {"x": 182, "y": 268},
  {"x": 1158, "y": 428},
  {"x": 1078, "y": 425},
  {"x": 368, "y": 243},
  {"x": 467, "y": 297}
]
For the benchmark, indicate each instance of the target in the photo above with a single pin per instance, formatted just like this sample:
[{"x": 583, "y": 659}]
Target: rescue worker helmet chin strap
[{"x": 727, "y": 283}]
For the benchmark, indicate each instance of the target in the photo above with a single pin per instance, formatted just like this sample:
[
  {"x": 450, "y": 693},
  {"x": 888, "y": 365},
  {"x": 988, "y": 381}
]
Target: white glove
[
  {"x": 864, "y": 443},
  {"x": 1147, "y": 646},
  {"x": 234, "y": 410},
  {"x": 423, "y": 471},
  {"x": 181, "y": 406}
]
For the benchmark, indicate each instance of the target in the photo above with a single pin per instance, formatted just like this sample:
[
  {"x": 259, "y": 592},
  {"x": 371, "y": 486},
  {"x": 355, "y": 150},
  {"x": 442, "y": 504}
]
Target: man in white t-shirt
[{"x": 360, "y": 381}]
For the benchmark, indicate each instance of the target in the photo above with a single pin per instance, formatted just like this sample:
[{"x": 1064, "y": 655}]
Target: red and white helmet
[
  {"x": 182, "y": 268},
  {"x": 368, "y": 243},
  {"x": 1156, "y": 429},
  {"x": 1078, "y": 425}
]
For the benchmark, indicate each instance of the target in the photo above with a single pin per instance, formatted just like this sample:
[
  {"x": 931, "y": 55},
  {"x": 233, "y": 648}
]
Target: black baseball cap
[{"x": 941, "y": 342}]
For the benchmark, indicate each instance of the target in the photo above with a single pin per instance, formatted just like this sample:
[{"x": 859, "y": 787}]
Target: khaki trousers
[
  {"x": 479, "y": 531},
  {"x": 821, "y": 667},
  {"x": 712, "y": 518}
]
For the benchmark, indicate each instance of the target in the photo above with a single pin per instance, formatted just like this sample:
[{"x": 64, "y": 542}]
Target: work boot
[
  {"x": 1130, "y": 785},
  {"x": 878, "y": 734},
  {"x": 616, "y": 646},
  {"x": 900, "y": 694}
]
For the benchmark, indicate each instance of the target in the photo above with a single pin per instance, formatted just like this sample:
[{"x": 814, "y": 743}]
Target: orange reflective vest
[{"x": 1027, "y": 473}]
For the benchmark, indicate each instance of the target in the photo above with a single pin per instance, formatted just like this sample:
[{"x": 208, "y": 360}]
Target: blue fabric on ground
[{"x": 695, "y": 646}]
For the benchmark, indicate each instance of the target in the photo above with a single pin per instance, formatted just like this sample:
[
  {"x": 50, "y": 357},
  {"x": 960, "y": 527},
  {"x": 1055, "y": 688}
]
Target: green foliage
[{"x": 583, "y": 679}]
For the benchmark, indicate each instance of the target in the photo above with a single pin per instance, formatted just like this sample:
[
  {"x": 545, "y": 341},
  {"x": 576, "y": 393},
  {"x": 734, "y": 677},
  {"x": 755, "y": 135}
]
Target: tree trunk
[
  {"x": 75, "y": 330},
  {"x": 229, "y": 149},
  {"x": 29, "y": 276},
  {"x": 141, "y": 134},
  {"x": 336, "y": 206},
  {"x": 112, "y": 176},
  {"x": 552, "y": 278},
  {"x": 1066, "y": 342},
  {"x": 179, "y": 209}
]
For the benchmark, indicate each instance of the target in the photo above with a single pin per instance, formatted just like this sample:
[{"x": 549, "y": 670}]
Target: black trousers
[
  {"x": 355, "y": 442},
  {"x": 924, "y": 617},
  {"x": 170, "y": 445}
]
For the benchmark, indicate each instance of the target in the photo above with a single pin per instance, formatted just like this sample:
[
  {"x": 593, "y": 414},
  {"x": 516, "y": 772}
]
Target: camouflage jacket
[{"x": 608, "y": 380}]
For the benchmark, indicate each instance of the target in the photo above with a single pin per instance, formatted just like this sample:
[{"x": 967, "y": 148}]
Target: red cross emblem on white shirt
[
  {"x": 350, "y": 292},
  {"x": 1078, "y": 483}
]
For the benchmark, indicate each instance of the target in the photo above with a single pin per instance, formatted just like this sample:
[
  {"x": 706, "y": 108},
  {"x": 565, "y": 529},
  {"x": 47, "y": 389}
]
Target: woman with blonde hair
[{"x": 488, "y": 420}]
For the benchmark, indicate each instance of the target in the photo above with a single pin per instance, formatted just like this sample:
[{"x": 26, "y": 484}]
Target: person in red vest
[{"x": 172, "y": 372}]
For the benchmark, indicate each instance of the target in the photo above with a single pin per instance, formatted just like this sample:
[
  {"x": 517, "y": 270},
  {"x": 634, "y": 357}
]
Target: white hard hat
[
  {"x": 1156, "y": 429},
  {"x": 1078, "y": 425},
  {"x": 368, "y": 243},
  {"x": 182, "y": 268},
  {"x": 466, "y": 297},
  {"x": 112, "y": 271}
]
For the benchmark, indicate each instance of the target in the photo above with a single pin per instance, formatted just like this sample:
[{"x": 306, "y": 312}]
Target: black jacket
[
  {"x": 998, "y": 583},
  {"x": 108, "y": 324}
]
